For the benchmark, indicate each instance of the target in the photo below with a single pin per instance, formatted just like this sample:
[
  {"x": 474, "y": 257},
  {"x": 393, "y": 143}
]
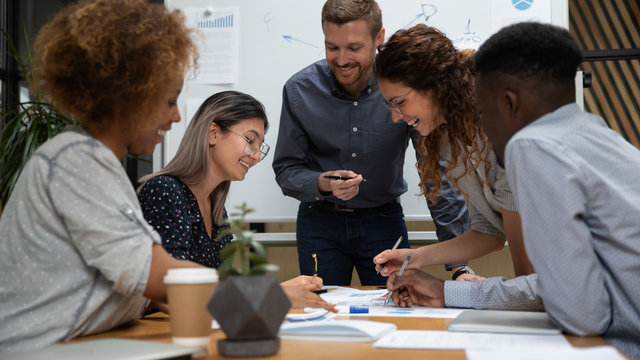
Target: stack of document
[{"x": 336, "y": 330}]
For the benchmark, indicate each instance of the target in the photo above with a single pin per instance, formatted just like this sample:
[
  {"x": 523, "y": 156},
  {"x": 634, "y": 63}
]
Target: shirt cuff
[{"x": 457, "y": 294}]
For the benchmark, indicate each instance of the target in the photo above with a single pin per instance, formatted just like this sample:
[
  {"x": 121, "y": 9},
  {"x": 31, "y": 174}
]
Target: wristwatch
[{"x": 463, "y": 270}]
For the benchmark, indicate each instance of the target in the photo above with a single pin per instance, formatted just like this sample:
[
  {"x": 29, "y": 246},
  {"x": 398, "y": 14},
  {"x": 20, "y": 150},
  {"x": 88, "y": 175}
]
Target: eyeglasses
[
  {"x": 250, "y": 148},
  {"x": 397, "y": 104}
]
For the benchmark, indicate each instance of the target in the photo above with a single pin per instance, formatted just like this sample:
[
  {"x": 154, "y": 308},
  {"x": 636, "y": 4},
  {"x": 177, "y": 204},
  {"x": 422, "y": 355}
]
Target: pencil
[{"x": 315, "y": 265}]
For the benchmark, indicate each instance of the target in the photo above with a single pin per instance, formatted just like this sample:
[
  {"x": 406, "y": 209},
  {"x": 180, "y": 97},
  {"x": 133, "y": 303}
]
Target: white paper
[
  {"x": 375, "y": 301},
  {"x": 219, "y": 47},
  {"x": 424, "y": 339},
  {"x": 336, "y": 330},
  {"x": 595, "y": 353}
]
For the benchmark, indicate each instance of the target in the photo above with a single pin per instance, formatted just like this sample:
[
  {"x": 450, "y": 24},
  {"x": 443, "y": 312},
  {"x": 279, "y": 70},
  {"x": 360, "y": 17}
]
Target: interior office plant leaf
[
  {"x": 26, "y": 126},
  {"x": 244, "y": 255}
]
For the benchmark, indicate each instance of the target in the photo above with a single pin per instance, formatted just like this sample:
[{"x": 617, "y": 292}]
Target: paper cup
[{"x": 188, "y": 292}]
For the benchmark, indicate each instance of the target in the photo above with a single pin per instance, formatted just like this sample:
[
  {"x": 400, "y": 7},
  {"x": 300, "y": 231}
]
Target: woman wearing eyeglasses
[
  {"x": 428, "y": 83},
  {"x": 184, "y": 202}
]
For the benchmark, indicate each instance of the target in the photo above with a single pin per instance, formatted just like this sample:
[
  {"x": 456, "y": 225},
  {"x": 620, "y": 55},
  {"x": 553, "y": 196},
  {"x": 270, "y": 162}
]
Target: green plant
[
  {"x": 27, "y": 126},
  {"x": 245, "y": 252}
]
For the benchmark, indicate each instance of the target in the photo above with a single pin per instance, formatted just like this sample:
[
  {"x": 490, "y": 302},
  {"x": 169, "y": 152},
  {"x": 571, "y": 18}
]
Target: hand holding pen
[
  {"x": 343, "y": 184},
  {"x": 389, "y": 261},
  {"x": 395, "y": 246},
  {"x": 404, "y": 266}
]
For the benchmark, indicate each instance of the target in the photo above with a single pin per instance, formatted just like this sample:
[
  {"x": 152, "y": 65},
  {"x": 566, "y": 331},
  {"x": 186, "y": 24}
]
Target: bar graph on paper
[
  {"x": 219, "y": 22},
  {"x": 218, "y": 62}
]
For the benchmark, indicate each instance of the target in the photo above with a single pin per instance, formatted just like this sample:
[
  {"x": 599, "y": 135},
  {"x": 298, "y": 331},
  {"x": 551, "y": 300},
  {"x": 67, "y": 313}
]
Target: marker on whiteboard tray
[{"x": 352, "y": 309}]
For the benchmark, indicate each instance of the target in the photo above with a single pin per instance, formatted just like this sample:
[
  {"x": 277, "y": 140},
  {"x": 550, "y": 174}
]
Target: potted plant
[
  {"x": 248, "y": 304},
  {"x": 27, "y": 126}
]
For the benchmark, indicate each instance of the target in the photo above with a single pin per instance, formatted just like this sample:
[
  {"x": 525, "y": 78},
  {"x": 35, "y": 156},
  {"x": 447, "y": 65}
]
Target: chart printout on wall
[{"x": 254, "y": 46}]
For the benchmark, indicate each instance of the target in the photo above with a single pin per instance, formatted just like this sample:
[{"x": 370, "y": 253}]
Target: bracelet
[{"x": 463, "y": 270}]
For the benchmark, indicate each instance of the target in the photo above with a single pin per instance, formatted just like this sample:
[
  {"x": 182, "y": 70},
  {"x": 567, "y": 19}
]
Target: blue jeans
[{"x": 342, "y": 240}]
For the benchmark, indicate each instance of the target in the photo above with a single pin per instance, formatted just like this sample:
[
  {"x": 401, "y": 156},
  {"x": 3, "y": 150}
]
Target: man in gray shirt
[
  {"x": 333, "y": 122},
  {"x": 576, "y": 180}
]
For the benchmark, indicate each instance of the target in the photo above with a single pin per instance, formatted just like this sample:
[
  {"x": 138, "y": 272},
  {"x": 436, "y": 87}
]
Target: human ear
[
  {"x": 213, "y": 134},
  {"x": 511, "y": 103},
  {"x": 379, "y": 38}
]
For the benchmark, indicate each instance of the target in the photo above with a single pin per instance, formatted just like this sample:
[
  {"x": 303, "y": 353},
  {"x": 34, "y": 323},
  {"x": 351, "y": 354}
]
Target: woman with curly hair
[
  {"x": 428, "y": 84},
  {"x": 78, "y": 256}
]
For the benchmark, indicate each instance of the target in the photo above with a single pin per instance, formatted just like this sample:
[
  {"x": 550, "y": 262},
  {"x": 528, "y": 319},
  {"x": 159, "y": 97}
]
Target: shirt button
[
  {"x": 355, "y": 129},
  {"x": 353, "y": 155},
  {"x": 355, "y": 103}
]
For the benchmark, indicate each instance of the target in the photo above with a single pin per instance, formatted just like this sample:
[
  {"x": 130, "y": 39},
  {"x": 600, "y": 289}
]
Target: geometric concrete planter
[{"x": 250, "y": 310}]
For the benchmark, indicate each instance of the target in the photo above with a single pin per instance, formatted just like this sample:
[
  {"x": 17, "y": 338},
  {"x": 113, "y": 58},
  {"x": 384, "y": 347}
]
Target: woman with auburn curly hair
[
  {"x": 78, "y": 256},
  {"x": 428, "y": 84}
]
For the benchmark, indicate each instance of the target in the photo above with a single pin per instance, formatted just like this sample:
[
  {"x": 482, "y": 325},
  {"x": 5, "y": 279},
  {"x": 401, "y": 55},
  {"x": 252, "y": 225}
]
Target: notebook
[
  {"x": 336, "y": 330},
  {"x": 122, "y": 349},
  {"x": 494, "y": 321}
]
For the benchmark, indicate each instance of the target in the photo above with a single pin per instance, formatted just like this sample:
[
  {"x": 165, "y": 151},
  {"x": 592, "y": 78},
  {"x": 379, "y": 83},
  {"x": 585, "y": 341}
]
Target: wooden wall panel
[{"x": 615, "y": 89}]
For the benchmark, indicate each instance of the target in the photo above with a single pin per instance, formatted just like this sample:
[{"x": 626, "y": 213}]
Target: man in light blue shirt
[{"x": 576, "y": 181}]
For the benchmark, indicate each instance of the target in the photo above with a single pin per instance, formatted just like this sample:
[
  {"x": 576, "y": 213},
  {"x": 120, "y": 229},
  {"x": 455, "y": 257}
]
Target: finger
[
  {"x": 381, "y": 258},
  {"x": 390, "y": 280}
]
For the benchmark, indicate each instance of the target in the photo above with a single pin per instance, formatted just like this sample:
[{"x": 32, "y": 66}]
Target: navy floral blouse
[{"x": 172, "y": 209}]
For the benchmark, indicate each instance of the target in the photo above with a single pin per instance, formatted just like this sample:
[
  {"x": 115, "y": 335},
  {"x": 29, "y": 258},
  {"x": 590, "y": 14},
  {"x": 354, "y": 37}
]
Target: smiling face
[
  {"x": 228, "y": 158},
  {"x": 350, "y": 51},
  {"x": 417, "y": 108},
  {"x": 152, "y": 128}
]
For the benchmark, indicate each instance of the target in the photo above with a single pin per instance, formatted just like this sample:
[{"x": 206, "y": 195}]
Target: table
[{"x": 156, "y": 327}]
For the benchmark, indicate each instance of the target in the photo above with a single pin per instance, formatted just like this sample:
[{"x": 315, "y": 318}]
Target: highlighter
[{"x": 352, "y": 309}]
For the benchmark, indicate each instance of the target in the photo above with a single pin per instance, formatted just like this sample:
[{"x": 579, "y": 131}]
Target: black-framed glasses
[
  {"x": 397, "y": 103},
  {"x": 251, "y": 147}
]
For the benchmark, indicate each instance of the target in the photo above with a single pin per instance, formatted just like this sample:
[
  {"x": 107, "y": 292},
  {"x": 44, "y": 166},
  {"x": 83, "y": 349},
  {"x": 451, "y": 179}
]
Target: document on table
[
  {"x": 425, "y": 339},
  {"x": 336, "y": 330},
  {"x": 594, "y": 353},
  {"x": 374, "y": 299}
]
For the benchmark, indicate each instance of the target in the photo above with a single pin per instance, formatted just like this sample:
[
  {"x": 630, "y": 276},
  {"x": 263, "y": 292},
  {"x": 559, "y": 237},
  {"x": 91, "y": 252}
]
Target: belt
[{"x": 344, "y": 208}]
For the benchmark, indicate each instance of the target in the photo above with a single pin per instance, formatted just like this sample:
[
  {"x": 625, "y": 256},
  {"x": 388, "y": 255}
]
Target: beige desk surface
[{"x": 156, "y": 327}]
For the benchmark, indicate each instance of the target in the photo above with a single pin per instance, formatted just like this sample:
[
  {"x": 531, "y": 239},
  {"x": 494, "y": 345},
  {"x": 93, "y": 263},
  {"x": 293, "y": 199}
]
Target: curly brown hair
[
  {"x": 423, "y": 58},
  {"x": 101, "y": 58}
]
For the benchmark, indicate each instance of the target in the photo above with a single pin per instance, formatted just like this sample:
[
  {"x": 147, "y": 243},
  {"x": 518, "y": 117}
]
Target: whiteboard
[{"x": 277, "y": 38}]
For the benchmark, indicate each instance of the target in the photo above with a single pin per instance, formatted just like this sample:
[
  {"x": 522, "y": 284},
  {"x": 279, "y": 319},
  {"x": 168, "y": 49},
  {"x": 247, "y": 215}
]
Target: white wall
[{"x": 267, "y": 60}]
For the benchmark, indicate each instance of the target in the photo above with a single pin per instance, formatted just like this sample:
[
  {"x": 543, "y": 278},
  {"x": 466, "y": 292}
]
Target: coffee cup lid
[{"x": 191, "y": 276}]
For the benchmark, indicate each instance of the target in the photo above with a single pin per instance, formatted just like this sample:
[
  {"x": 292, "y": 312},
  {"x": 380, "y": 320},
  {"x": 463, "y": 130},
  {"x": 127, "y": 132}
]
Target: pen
[
  {"x": 404, "y": 266},
  {"x": 336, "y": 177},
  {"x": 393, "y": 248}
]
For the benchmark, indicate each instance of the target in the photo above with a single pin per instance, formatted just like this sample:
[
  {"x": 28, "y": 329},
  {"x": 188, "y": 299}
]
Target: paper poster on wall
[
  {"x": 507, "y": 12},
  {"x": 219, "y": 45}
]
